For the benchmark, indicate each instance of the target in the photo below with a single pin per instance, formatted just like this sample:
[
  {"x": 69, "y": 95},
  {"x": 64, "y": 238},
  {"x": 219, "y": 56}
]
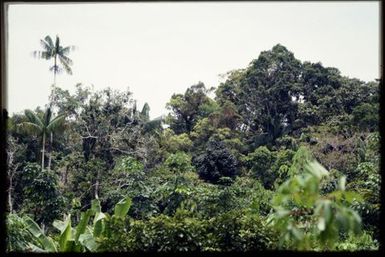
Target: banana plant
[
  {"x": 82, "y": 238},
  {"x": 41, "y": 242}
]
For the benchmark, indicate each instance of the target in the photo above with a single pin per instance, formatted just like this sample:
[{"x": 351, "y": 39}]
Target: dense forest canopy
[{"x": 285, "y": 156}]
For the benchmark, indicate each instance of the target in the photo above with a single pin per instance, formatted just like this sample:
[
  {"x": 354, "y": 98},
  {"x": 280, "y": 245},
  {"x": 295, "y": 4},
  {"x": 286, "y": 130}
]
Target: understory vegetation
[{"x": 283, "y": 155}]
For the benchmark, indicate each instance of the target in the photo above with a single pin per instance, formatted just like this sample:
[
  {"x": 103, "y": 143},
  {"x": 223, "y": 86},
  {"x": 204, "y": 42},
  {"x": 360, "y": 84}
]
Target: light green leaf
[
  {"x": 316, "y": 169},
  {"x": 33, "y": 227},
  {"x": 321, "y": 224},
  {"x": 81, "y": 227},
  {"x": 342, "y": 183},
  {"x": 99, "y": 216},
  {"x": 48, "y": 243},
  {"x": 95, "y": 206},
  {"x": 60, "y": 225},
  {"x": 297, "y": 233},
  {"x": 88, "y": 241},
  {"x": 122, "y": 207},
  {"x": 98, "y": 228},
  {"x": 35, "y": 248},
  {"x": 65, "y": 237}
]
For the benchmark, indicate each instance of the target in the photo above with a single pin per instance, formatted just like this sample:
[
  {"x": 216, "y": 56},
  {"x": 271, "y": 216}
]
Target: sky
[{"x": 158, "y": 49}]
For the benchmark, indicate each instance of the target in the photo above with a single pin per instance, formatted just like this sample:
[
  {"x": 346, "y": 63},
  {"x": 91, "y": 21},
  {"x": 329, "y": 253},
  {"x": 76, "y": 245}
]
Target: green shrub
[
  {"x": 362, "y": 242},
  {"x": 179, "y": 162},
  {"x": 260, "y": 162},
  {"x": 42, "y": 197},
  {"x": 179, "y": 233},
  {"x": 18, "y": 236},
  {"x": 239, "y": 230}
]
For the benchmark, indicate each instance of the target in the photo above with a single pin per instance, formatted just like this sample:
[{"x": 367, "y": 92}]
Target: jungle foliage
[{"x": 285, "y": 156}]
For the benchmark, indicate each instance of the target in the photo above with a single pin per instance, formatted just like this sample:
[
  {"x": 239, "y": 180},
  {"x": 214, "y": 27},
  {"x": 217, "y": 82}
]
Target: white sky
[{"x": 157, "y": 49}]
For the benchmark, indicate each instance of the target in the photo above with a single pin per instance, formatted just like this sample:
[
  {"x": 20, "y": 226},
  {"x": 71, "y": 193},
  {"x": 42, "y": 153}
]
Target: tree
[
  {"x": 216, "y": 162},
  {"x": 58, "y": 53},
  {"x": 261, "y": 161},
  {"x": 366, "y": 116},
  {"x": 187, "y": 108},
  {"x": 263, "y": 95},
  {"x": 43, "y": 126},
  {"x": 13, "y": 166},
  {"x": 41, "y": 195}
]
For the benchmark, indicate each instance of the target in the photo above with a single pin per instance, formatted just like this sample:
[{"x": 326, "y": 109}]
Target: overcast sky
[{"x": 157, "y": 49}]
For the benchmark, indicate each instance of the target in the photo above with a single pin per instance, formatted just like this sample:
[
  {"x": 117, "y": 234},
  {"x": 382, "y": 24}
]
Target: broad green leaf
[
  {"x": 321, "y": 224},
  {"x": 65, "y": 237},
  {"x": 88, "y": 241},
  {"x": 122, "y": 207},
  {"x": 95, "y": 206},
  {"x": 35, "y": 248},
  {"x": 342, "y": 183},
  {"x": 48, "y": 243},
  {"x": 33, "y": 227},
  {"x": 98, "y": 228},
  {"x": 316, "y": 169},
  {"x": 60, "y": 225},
  {"x": 296, "y": 233},
  {"x": 99, "y": 216},
  {"x": 342, "y": 221},
  {"x": 327, "y": 211},
  {"x": 81, "y": 227}
]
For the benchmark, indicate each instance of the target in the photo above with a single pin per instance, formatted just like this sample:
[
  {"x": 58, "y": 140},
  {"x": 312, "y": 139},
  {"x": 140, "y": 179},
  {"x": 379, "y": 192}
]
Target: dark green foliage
[
  {"x": 216, "y": 162},
  {"x": 366, "y": 116},
  {"x": 41, "y": 194},
  {"x": 179, "y": 233},
  {"x": 367, "y": 182},
  {"x": 179, "y": 162},
  {"x": 263, "y": 94},
  {"x": 239, "y": 231},
  {"x": 260, "y": 161},
  {"x": 18, "y": 235},
  {"x": 189, "y": 107}
]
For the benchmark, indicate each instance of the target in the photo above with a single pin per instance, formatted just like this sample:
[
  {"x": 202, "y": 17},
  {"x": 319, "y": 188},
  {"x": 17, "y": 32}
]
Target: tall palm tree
[
  {"x": 58, "y": 53},
  {"x": 43, "y": 126}
]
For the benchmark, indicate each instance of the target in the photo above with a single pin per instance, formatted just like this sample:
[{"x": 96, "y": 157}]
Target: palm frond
[
  {"x": 66, "y": 65},
  {"x": 66, "y": 50},
  {"x": 65, "y": 59},
  {"x": 42, "y": 55},
  {"x": 56, "y": 123},
  {"x": 57, "y": 43},
  {"x": 48, "y": 39},
  {"x": 47, "y": 117},
  {"x": 30, "y": 128},
  {"x": 33, "y": 118},
  {"x": 47, "y": 45}
]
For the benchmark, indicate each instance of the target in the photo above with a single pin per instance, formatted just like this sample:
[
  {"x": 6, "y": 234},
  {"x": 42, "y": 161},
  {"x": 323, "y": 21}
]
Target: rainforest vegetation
[{"x": 283, "y": 155}]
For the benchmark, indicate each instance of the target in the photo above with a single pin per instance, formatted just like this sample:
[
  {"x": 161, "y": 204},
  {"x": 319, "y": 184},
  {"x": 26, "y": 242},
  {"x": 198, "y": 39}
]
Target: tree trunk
[
  {"x": 10, "y": 195},
  {"x": 50, "y": 151},
  {"x": 42, "y": 153}
]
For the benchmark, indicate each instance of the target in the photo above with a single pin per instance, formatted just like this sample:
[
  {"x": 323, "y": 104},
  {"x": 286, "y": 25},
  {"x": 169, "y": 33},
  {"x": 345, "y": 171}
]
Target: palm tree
[
  {"x": 58, "y": 53},
  {"x": 43, "y": 127}
]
